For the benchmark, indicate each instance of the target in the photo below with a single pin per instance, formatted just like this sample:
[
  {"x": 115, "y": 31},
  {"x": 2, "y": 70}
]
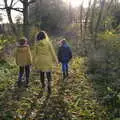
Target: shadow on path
[{"x": 54, "y": 107}]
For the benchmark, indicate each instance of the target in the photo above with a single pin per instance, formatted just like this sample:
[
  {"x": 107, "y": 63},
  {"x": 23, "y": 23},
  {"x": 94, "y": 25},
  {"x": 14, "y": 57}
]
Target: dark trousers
[
  {"x": 49, "y": 78},
  {"x": 22, "y": 70}
]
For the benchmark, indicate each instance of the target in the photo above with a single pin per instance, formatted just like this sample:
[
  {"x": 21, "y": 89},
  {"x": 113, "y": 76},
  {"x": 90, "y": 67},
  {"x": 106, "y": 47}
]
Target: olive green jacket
[
  {"x": 23, "y": 55},
  {"x": 44, "y": 55}
]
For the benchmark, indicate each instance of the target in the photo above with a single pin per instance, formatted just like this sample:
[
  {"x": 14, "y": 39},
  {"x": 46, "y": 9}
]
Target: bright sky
[
  {"x": 76, "y": 3},
  {"x": 14, "y": 13}
]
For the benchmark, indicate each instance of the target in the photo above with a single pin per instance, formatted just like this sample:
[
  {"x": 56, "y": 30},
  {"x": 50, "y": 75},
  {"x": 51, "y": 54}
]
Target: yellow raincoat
[
  {"x": 44, "y": 55},
  {"x": 23, "y": 55}
]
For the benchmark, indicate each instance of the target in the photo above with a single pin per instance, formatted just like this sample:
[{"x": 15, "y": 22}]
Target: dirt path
[{"x": 72, "y": 99}]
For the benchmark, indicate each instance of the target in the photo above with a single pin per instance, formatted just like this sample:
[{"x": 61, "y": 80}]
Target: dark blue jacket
[{"x": 64, "y": 53}]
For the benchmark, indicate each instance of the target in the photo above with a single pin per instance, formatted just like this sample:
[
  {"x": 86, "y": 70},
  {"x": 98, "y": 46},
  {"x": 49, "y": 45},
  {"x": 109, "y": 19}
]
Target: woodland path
[{"x": 71, "y": 99}]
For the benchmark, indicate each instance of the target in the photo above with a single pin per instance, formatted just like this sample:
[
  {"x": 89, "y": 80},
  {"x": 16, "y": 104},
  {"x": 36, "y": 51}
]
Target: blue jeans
[{"x": 64, "y": 67}]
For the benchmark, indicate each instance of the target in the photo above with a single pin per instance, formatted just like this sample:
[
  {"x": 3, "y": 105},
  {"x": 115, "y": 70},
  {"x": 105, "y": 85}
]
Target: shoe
[
  {"x": 26, "y": 85},
  {"x": 64, "y": 75},
  {"x": 67, "y": 74},
  {"x": 49, "y": 90},
  {"x": 42, "y": 84},
  {"x": 19, "y": 84}
]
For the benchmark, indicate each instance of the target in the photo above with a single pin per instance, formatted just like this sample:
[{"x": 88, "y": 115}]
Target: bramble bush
[{"x": 104, "y": 69}]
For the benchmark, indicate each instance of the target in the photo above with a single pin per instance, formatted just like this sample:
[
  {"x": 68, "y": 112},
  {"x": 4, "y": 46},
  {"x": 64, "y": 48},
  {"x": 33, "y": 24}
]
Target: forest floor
[{"x": 71, "y": 99}]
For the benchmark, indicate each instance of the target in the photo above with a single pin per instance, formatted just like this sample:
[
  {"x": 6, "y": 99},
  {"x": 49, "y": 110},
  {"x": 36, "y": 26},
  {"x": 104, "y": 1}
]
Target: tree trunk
[
  {"x": 102, "y": 3},
  {"x": 87, "y": 16},
  {"x": 81, "y": 21},
  {"x": 70, "y": 13},
  {"x": 8, "y": 11},
  {"x": 26, "y": 18},
  {"x": 92, "y": 18}
]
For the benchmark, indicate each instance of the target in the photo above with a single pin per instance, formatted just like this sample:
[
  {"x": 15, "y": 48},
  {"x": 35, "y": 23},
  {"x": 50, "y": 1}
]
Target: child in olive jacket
[
  {"x": 64, "y": 56},
  {"x": 23, "y": 60}
]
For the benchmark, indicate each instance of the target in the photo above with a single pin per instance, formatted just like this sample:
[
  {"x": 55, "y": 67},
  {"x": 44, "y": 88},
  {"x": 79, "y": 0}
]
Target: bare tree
[
  {"x": 81, "y": 20},
  {"x": 87, "y": 15},
  {"x": 102, "y": 4},
  {"x": 92, "y": 17},
  {"x": 1, "y": 18},
  {"x": 24, "y": 10},
  {"x": 111, "y": 2}
]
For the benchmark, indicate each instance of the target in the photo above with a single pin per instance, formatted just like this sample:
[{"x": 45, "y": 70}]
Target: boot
[
  {"x": 26, "y": 82},
  {"x": 19, "y": 83},
  {"x": 43, "y": 84},
  {"x": 64, "y": 75},
  {"x": 42, "y": 79},
  {"x": 67, "y": 74},
  {"x": 27, "y": 74},
  {"x": 49, "y": 82},
  {"x": 49, "y": 88}
]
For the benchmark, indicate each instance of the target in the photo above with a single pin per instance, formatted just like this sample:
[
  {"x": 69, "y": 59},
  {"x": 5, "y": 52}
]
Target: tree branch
[
  {"x": 11, "y": 3},
  {"x": 15, "y": 3},
  {"x": 8, "y": 11},
  {"x": 87, "y": 15},
  {"x": 16, "y": 9},
  {"x": 32, "y": 1},
  {"x": 2, "y": 8},
  {"x": 21, "y": 1},
  {"x": 110, "y": 5}
]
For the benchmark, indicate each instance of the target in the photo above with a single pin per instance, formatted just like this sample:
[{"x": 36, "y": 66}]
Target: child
[
  {"x": 44, "y": 58},
  {"x": 23, "y": 60},
  {"x": 64, "y": 56}
]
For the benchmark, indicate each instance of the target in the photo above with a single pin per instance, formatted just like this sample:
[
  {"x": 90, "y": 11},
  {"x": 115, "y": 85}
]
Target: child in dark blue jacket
[{"x": 64, "y": 56}]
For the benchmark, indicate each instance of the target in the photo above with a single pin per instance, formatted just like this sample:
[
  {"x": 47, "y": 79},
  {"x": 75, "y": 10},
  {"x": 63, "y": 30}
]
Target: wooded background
[{"x": 92, "y": 32}]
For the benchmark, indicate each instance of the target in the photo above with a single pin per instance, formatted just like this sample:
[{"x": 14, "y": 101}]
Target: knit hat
[{"x": 22, "y": 40}]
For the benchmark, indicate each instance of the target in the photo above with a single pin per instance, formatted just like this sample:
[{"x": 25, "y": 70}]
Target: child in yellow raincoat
[
  {"x": 23, "y": 60},
  {"x": 45, "y": 58}
]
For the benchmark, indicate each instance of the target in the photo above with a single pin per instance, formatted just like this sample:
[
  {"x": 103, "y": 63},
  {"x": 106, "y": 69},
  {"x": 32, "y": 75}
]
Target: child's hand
[
  {"x": 30, "y": 67},
  {"x": 57, "y": 62}
]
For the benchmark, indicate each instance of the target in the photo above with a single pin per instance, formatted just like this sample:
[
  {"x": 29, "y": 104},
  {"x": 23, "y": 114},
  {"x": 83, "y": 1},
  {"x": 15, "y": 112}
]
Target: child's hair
[
  {"x": 41, "y": 35},
  {"x": 22, "y": 41}
]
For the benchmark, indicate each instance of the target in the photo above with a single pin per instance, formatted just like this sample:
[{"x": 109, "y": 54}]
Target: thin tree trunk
[
  {"x": 26, "y": 18},
  {"x": 85, "y": 33},
  {"x": 110, "y": 5},
  {"x": 81, "y": 21},
  {"x": 92, "y": 18},
  {"x": 70, "y": 13},
  {"x": 102, "y": 3},
  {"x": 81, "y": 25},
  {"x": 8, "y": 11},
  {"x": 87, "y": 16},
  {"x": 107, "y": 11}
]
